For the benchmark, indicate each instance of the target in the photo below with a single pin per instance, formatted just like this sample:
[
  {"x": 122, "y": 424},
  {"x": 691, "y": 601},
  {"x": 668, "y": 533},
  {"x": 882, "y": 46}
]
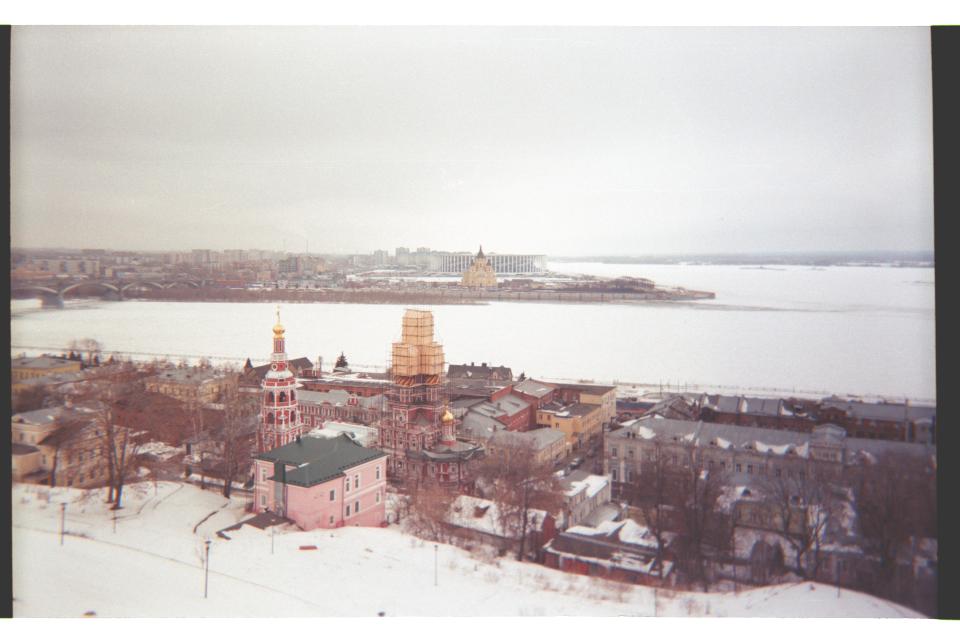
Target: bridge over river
[{"x": 54, "y": 292}]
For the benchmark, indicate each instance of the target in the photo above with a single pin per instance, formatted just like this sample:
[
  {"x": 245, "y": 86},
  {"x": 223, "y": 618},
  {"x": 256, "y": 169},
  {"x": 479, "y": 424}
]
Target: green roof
[{"x": 319, "y": 459}]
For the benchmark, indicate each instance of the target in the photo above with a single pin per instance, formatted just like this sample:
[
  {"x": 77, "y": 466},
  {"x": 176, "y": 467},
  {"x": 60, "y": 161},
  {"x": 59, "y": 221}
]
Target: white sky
[{"x": 530, "y": 139}]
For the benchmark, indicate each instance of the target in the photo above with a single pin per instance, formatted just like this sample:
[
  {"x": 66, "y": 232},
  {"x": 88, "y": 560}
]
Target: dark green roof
[{"x": 319, "y": 459}]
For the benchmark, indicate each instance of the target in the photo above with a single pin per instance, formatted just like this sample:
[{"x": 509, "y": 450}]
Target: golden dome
[
  {"x": 447, "y": 416},
  {"x": 278, "y": 329}
]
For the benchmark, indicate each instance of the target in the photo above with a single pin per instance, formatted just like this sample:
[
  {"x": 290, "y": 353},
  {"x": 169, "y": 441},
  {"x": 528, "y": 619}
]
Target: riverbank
[{"x": 392, "y": 296}]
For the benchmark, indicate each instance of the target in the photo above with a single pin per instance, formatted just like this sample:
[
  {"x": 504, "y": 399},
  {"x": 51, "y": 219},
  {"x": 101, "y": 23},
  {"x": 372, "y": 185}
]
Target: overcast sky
[{"x": 564, "y": 141}]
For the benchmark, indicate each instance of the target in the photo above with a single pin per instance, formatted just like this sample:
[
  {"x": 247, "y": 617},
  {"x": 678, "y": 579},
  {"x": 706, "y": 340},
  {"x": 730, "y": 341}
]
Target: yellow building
[
  {"x": 23, "y": 368},
  {"x": 480, "y": 275},
  {"x": 579, "y": 422},
  {"x": 193, "y": 385}
]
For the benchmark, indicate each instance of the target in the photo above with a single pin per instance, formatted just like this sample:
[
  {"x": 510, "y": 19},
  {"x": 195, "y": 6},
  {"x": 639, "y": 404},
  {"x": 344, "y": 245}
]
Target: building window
[
  {"x": 331, "y": 521},
  {"x": 630, "y": 454},
  {"x": 356, "y": 507},
  {"x": 778, "y": 472},
  {"x": 615, "y": 474},
  {"x": 613, "y": 452},
  {"x": 378, "y": 472},
  {"x": 347, "y": 485},
  {"x": 749, "y": 469},
  {"x": 263, "y": 474},
  {"x": 263, "y": 500},
  {"x": 738, "y": 468},
  {"x": 356, "y": 481},
  {"x": 348, "y": 511},
  {"x": 378, "y": 497},
  {"x": 333, "y": 494}
]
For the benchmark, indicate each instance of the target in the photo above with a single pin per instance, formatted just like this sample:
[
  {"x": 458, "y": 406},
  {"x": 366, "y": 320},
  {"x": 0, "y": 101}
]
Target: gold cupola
[{"x": 278, "y": 329}]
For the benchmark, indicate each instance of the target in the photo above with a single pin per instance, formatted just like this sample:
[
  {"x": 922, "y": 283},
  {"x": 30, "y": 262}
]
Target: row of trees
[{"x": 885, "y": 505}]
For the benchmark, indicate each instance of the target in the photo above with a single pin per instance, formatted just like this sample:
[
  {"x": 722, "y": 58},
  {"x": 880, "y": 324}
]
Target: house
[
  {"x": 483, "y": 371},
  {"x": 24, "y": 368},
  {"x": 192, "y": 385},
  {"x": 579, "y": 422},
  {"x": 583, "y": 494},
  {"x": 320, "y": 482},
  {"x": 60, "y": 446},
  {"x": 509, "y": 409},
  {"x": 479, "y": 520},
  {"x": 617, "y": 550},
  {"x": 548, "y": 446},
  {"x": 605, "y": 397}
]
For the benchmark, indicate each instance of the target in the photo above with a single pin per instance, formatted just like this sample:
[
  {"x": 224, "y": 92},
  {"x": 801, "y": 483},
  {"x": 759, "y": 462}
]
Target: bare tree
[
  {"x": 427, "y": 508},
  {"x": 518, "y": 484},
  {"x": 235, "y": 436},
  {"x": 895, "y": 504},
  {"x": 120, "y": 447},
  {"x": 705, "y": 529},
  {"x": 651, "y": 495},
  {"x": 802, "y": 502}
]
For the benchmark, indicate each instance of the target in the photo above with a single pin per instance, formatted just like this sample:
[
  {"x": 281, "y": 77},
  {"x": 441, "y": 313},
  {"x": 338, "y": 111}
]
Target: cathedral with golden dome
[{"x": 480, "y": 275}]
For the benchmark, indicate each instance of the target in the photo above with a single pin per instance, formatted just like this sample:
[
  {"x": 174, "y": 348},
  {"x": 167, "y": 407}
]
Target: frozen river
[{"x": 859, "y": 330}]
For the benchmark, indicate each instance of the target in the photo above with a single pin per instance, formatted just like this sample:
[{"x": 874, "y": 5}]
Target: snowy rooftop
[{"x": 483, "y": 515}]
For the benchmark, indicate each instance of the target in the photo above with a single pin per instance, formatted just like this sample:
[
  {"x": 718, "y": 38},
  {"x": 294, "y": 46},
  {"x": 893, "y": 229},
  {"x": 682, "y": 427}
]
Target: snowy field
[{"x": 151, "y": 565}]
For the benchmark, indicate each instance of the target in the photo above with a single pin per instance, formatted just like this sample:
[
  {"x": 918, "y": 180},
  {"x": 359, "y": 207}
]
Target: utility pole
[
  {"x": 206, "y": 569},
  {"x": 63, "y": 520}
]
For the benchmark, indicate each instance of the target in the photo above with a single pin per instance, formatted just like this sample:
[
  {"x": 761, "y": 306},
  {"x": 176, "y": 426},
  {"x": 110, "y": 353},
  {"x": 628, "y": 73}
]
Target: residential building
[
  {"x": 593, "y": 394},
  {"x": 616, "y": 550},
  {"x": 495, "y": 374},
  {"x": 479, "y": 520},
  {"x": 322, "y": 483},
  {"x": 583, "y": 495},
  {"x": 24, "y": 368},
  {"x": 549, "y": 446},
  {"x": 192, "y": 384},
  {"x": 580, "y": 422},
  {"x": 60, "y": 446}
]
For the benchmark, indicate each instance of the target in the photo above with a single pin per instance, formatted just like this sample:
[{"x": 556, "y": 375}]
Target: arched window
[{"x": 282, "y": 397}]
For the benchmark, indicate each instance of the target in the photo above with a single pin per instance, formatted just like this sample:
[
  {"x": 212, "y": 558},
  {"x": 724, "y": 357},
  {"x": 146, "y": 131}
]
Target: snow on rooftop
[{"x": 645, "y": 432}]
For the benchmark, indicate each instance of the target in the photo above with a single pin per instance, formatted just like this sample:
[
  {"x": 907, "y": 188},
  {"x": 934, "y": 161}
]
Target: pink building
[{"x": 323, "y": 482}]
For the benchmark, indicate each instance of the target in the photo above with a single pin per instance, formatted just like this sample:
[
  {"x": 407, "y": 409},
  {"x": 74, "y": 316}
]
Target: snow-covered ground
[{"x": 152, "y": 566}]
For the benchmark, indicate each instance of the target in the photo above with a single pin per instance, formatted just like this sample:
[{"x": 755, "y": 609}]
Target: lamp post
[
  {"x": 63, "y": 520},
  {"x": 206, "y": 569},
  {"x": 436, "y": 551}
]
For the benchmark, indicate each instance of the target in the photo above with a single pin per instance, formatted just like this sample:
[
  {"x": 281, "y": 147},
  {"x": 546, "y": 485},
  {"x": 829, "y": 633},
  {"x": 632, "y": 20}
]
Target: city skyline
[{"x": 599, "y": 141}]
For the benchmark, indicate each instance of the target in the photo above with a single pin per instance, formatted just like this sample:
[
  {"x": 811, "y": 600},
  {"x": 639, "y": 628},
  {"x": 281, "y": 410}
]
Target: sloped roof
[{"x": 319, "y": 460}]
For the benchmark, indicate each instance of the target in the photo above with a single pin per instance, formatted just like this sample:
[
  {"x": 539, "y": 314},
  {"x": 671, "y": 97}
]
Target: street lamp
[{"x": 206, "y": 568}]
